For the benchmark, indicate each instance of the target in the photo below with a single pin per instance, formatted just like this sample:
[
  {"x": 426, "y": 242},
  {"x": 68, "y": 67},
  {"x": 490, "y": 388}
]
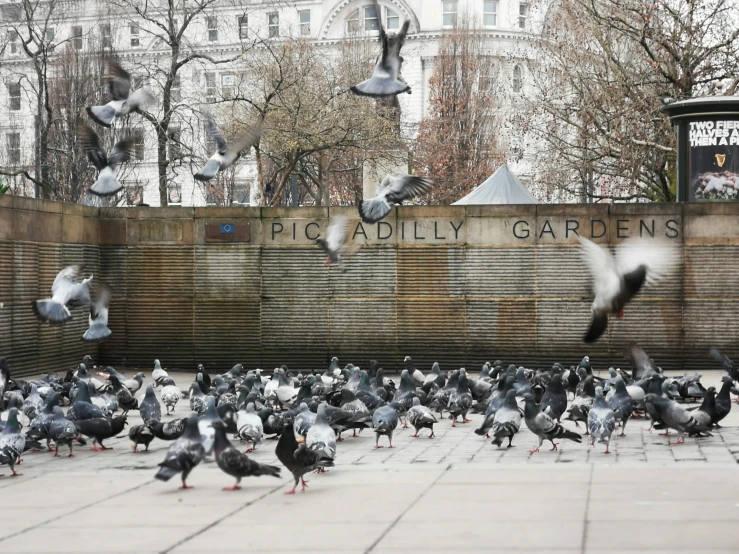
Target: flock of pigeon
[{"x": 308, "y": 413}]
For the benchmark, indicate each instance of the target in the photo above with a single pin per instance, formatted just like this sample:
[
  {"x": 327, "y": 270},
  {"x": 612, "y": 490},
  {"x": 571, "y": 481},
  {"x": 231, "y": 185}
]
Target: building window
[
  {"x": 228, "y": 85},
  {"x": 50, "y": 33},
  {"x": 175, "y": 146},
  {"x": 107, "y": 37},
  {"x": 352, "y": 22},
  {"x": 138, "y": 144},
  {"x": 174, "y": 194},
  {"x": 14, "y": 148},
  {"x": 212, "y": 29},
  {"x": 487, "y": 74},
  {"x": 273, "y": 20},
  {"x": 133, "y": 30},
  {"x": 243, "y": 27},
  {"x": 242, "y": 192},
  {"x": 77, "y": 38},
  {"x": 523, "y": 14},
  {"x": 392, "y": 20},
  {"x": 134, "y": 195},
  {"x": 210, "y": 87},
  {"x": 304, "y": 16},
  {"x": 449, "y": 13},
  {"x": 14, "y": 42},
  {"x": 370, "y": 19},
  {"x": 490, "y": 13},
  {"x": 175, "y": 93},
  {"x": 14, "y": 92},
  {"x": 517, "y": 79}
]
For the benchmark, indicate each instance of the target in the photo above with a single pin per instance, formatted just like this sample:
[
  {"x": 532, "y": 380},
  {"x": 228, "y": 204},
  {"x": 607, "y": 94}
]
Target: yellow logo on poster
[{"x": 720, "y": 159}]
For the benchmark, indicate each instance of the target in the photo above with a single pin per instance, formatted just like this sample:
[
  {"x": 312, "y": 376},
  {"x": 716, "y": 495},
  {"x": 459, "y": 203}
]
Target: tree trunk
[{"x": 261, "y": 200}]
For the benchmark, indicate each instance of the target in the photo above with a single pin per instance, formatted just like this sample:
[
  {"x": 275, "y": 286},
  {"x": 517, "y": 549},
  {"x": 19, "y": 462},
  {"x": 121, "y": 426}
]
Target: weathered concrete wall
[{"x": 450, "y": 283}]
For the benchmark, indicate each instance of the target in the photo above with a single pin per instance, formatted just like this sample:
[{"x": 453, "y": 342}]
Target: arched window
[
  {"x": 365, "y": 19},
  {"x": 517, "y": 79}
]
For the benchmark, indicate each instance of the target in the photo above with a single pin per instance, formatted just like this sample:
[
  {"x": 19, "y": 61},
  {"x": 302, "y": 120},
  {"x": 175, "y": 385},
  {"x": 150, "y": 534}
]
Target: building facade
[{"x": 221, "y": 32}]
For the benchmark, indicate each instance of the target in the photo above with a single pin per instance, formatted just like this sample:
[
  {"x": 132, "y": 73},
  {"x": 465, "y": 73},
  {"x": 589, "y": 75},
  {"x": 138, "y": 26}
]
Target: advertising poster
[{"x": 713, "y": 164}]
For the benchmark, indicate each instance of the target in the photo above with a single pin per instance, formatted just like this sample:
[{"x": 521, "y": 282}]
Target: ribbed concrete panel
[
  {"x": 436, "y": 271},
  {"x": 227, "y": 332},
  {"x": 113, "y": 351},
  {"x": 561, "y": 273},
  {"x": 363, "y": 328},
  {"x": 25, "y": 325},
  {"x": 114, "y": 268},
  {"x": 290, "y": 272},
  {"x": 225, "y": 271},
  {"x": 711, "y": 271},
  {"x": 503, "y": 327},
  {"x": 159, "y": 327},
  {"x": 294, "y": 329},
  {"x": 656, "y": 326},
  {"x": 499, "y": 272},
  {"x": 711, "y": 323},
  {"x": 370, "y": 273},
  {"x": 561, "y": 326},
  {"x": 160, "y": 270},
  {"x": 431, "y": 329},
  {"x": 6, "y": 263}
]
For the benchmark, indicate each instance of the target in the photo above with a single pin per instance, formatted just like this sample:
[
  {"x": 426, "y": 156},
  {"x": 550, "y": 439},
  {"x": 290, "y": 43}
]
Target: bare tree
[{"x": 603, "y": 67}]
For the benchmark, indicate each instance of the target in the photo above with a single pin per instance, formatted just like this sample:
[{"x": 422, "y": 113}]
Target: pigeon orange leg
[
  {"x": 16, "y": 474},
  {"x": 415, "y": 436},
  {"x": 432, "y": 434},
  {"x": 465, "y": 420},
  {"x": 291, "y": 491},
  {"x": 554, "y": 446},
  {"x": 185, "y": 486},
  {"x": 607, "y": 451},
  {"x": 304, "y": 484},
  {"x": 678, "y": 441},
  {"x": 665, "y": 434},
  {"x": 534, "y": 451},
  {"x": 235, "y": 487}
]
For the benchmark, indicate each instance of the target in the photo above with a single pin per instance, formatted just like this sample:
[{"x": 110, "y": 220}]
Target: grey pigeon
[
  {"x": 168, "y": 431},
  {"x": 106, "y": 163},
  {"x": 496, "y": 402},
  {"x": 123, "y": 100},
  {"x": 33, "y": 403},
  {"x": 158, "y": 374},
  {"x": 125, "y": 399},
  {"x": 384, "y": 422},
  {"x": 555, "y": 398},
  {"x": 393, "y": 190},
  {"x": 543, "y": 426},
  {"x": 723, "y": 399},
  {"x": 206, "y": 425},
  {"x": 420, "y": 417},
  {"x": 12, "y": 442},
  {"x": 184, "y": 454},
  {"x": 386, "y": 79},
  {"x": 321, "y": 437},
  {"x": 225, "y": 156},
  {"x": 578, "y": 410},
  {"x": 616, "y": 280},
  {"x": 601, "y": 420},
  {"x": 507, "y": 421},
  {"x": 675, "y": 417},
  {"x": 298, "y": 459},
  {"x": 82, "y": 407},
  {"x": 304, "y": 420},
  {"x": 135, "y": 383},
  {"x": 68, "y": 291},
  {"x": 98, "y": 330},
  {"x": 197, "y": 399},
  {"x": 61, "y": 431},
  {"x": 460, "y": 400},
  {"x": 621, "y": 404},
  {"x": 234, "y": 463},
  {"x": 149, "y": 407},
  {"x": 140, "y": 434}
]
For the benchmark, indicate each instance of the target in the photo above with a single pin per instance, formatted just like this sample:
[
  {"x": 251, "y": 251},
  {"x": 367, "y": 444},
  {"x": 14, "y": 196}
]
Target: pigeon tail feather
[{"x": 49, "y": 311}]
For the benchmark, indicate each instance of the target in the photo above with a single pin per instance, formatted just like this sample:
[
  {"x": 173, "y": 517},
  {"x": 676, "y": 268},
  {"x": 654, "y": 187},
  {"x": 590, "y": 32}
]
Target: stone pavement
[{"x": 455, "y": 493}]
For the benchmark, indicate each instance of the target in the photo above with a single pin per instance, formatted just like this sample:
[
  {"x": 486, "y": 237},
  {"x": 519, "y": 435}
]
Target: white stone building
[{"x": 511, "y": 27}]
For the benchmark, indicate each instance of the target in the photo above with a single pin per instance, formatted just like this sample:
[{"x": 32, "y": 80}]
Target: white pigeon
[
  {"x": 123, "y": 100},
  {"x": 386, "y": 79},
  {"x": 67, "y": 292},
  {"x": 107, "y": 184},
  {"x": 170, "y": 394},
  {"x": 393, "y": 190},
  {"x": 98, "y": 330},
  {"x": 616, "y": 280},
  {"x": 158, "y": 374},
  {"x": 225, "y": 156},
  {"x": 337, "y": 244}
]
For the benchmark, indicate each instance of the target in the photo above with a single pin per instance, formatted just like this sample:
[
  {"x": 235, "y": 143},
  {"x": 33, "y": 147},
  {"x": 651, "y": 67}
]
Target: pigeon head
[
  {"x": 83, "y": 393},
  {"x": 58, "y": 413},
  {"x": 16, "y": 401},
  {"x": 157, "y": 365},
  {"x": 150, "y": 392},
  {"x": 600, "y": 401},
  {"x": 139, "y": 376},
  {"x": 12, "y": 425},
  {"x": 510, "y": 399}
]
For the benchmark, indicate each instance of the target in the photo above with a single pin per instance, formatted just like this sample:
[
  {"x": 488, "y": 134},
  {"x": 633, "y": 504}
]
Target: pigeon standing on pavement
[
  {"x": 298, "y": 459},
  {"x": 507, "y": 420},
  {"x": 140, "y": 434},
  {"x": 170, "y": 394},
  {"x": 61, "y": 431},
  {"x": 184, "y": 454},
  {"x": 197, "y": 399},
  {"x": 123, "y": 100},
  {"x": 675, "y": 417},
  {"x": 149, "y": 407},
  {"x": 304, "y": 420},
  {"x": 543, "y": 426},
  {"x": 621, "y": 404},
  {"x": 460, "y": 400},
  {"x": 12, "y": 442},
  {"x": 206, "y": 425},
  {"x": 135, "y": 383},
  {"x": 385, "y": 421},
  {"x": 101, "y": 428},
  {"x": 68, "y": 291},
  {"x": 169, "y": 431},
  {"x": 235, "y": 463},
  {"x": 158, "y": 374},
  {"x": 250, "y": 426},
  {"x": 601, "y": 420},
  {"x": 583, "y": 402},
  {"x": 723, "y": 399},
  {"x": 82, "y": 407},
  {"x": 420, "y": 417},
  {"x": 321, "y": 437},
  {"x": 555, "y": 398},
  {"x": 126, "y": 400},
  {"x": 616, "y": 280}
]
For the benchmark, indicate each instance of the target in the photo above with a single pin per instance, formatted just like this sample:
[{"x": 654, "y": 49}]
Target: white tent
[{"x": 502, "y": 187}]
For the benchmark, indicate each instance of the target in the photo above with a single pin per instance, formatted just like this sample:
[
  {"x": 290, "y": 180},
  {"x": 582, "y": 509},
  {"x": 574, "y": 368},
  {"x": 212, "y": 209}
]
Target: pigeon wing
[
  {"x": 121, "y": 152},
  {"x": 215, "y": 134},
  {"x": 119, "y": 81},
  {"x": 544, "y": 423},
  {"x": 642, "y": 362},
  {"x": 408, "y": 186},
  {"x": 336, "y": 233},
  {"x": 602, "y": 266},
  {"x": 140, "y": 98},
  {"x": 91, "y": 143},
  {"x": 660, "y": 258}
]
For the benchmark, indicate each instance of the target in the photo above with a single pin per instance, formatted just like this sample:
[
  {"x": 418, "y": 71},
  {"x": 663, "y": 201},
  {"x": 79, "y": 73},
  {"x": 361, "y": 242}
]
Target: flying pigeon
[
  {"x": 234, "y": 463},
  {"x": 616, "y": 280},
  {"x": 123, "y": 100},
  {"x": 100, "y": 428},
  {"x": 298, "y": 459},
  {"x": 98, "y": 330},
  {"x": 170, "y": 393},
  {"x": 104, "y": 162},
  {"x": 337, "y": 244},
  {"x": 543, "y": 426},
  {"x": 601, "y": 420},
  {"x": 225, "y": 155},
  {"x": 386, "y": 79},
  {"x": 184, "y": 453},
  {"x": 726, "y": 362},
  {"x": 149, "y": 407},
  {"x": 67, "y": 292},
  {"x": 393, "y": 190},
  {"x": 507, "y": 421}
]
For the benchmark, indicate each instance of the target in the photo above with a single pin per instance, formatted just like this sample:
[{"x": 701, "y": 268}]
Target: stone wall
[{"x": 450, "y": 283}]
